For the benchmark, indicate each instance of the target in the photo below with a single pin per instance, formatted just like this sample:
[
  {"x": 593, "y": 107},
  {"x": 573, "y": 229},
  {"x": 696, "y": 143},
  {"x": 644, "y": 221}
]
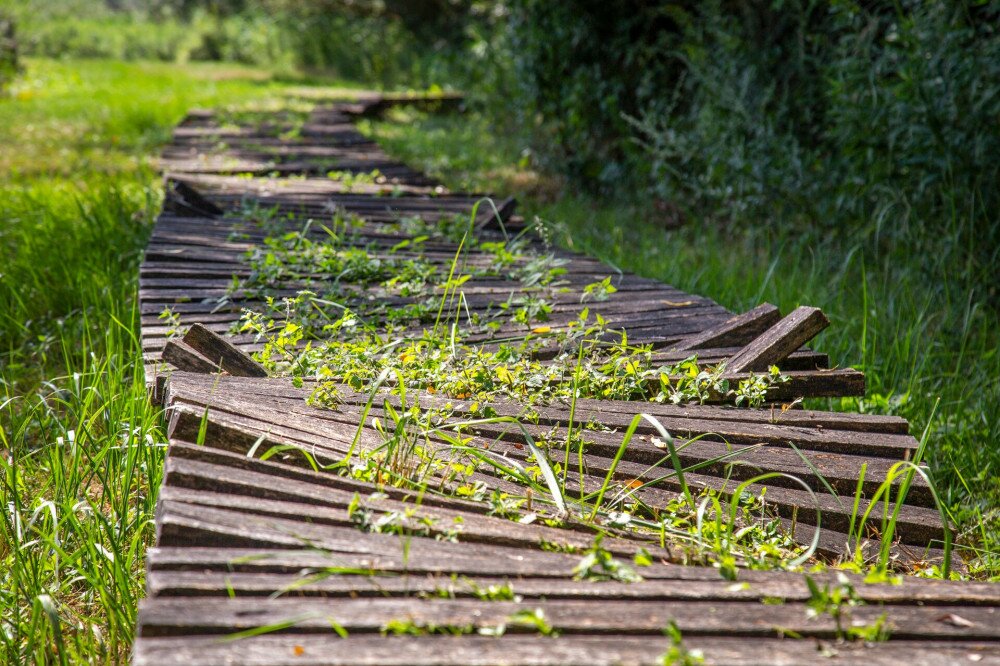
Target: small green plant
[
  {"x": 412, "y": 627},
  {"x": 752, "y": 391},
  {"x": 835, "y": 600},
  {"x": 493, "y": 592},
  {"x": 598, "y": 564},
  {"x": 352, "y": 179},
  {"x": 533, "y": 618},
  {"x": 598, "y": 291},
  {"x": 172, "y": 320},
  {"x": 679, "y": 654}
]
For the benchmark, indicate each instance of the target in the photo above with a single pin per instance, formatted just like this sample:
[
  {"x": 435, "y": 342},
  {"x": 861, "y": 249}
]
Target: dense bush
[
  {"x": 119, "y": 38},
  {"x": 871, "y": 99},
  {"x": 876, "y": 117},
  {"x": 249, "y": 38},
  {"x": 8, "y": 51},
  {"x": 755, "y": 77},
  {"x": 578, "y": 67}
]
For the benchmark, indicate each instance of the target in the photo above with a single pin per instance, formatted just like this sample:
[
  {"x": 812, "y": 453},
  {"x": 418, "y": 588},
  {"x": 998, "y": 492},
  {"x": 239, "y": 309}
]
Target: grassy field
[
  {"x": 930, "y": 352},
  {"x": 81, "y": 444}
]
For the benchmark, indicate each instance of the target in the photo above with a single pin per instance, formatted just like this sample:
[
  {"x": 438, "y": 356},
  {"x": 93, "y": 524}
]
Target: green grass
[
  {"x": 918, "y": 339},
  {"x": 81, "y": 445}
]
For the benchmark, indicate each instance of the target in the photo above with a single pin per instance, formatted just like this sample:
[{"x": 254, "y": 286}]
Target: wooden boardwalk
[{"x": 273, "y": 562}]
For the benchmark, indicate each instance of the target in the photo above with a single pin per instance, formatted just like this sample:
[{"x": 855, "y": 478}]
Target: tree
[{"x": 8, "y": 51}]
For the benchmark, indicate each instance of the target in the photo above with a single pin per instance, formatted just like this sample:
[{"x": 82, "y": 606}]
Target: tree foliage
[{"x": 8, "y": 51}]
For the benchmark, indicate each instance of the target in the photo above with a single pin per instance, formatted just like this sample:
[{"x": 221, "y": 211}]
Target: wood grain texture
[
  {"x": 225, "y": 354},
  {"x": 779, "y": 341},
  {"x": 513, "y": 650},
  {"x": 185, "y": 357},
  {"x": 738, "y": 330}
]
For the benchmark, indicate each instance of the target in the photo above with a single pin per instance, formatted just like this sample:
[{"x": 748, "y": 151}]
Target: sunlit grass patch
[
  {"x": 76, "y": 119},
  {"x": 82, "y": 459}
]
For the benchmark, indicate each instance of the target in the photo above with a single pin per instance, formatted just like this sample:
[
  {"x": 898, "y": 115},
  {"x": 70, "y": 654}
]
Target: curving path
[{"x": 272, "y": 562}]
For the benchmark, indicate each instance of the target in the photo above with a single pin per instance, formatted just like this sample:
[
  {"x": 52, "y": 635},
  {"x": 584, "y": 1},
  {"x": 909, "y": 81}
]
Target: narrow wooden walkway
[{"x": 273, "y": 562}]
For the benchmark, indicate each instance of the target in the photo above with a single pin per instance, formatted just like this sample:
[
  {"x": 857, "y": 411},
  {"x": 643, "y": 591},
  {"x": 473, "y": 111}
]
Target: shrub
[
  {"x": 8, "y": 51},
  {"x": 578, "y": 67}
]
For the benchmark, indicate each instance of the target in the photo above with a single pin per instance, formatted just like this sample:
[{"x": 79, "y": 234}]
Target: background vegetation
[{"x": 838, "y": 154}]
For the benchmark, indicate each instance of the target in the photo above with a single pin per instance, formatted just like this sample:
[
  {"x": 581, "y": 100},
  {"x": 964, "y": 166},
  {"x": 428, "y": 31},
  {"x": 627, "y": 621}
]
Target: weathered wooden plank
[
  {"x": 737, "y": 330},
  {"x": 186, "y": 358},
  {"x": 187, "y": 526},
  {"x": 831, "y": 544},
  {"x": 751, "y": 586},
  {"x": 194, "y": 482},
  {"x": 834, "y": 383},
  {"x": 182, "y": 196},
  {"x": 222, "y": 352},
  {"x": 278, "y": 471},
  {"x": 382, "y": 103},
  {"x": 916, "y": 525},
  {"x": 240, "y": 434},
  {"x": 587, "y": 408},
  {"x": 800, "y": 359},
  {"x": 774, "y": 346},
  {"x": 318, "y": 421},
  {"x": 838, "y": 470},
  {"x": 463, "y": 563},
  {"x": 813, "y": 432},
  {"x": 514, "y": 650},
  {"x": 805, "y": 418},
  {"x": 165, "y": 617}
]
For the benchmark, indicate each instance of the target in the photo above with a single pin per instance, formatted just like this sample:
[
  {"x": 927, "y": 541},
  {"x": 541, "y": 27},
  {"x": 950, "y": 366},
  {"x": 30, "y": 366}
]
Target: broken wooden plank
[
  {"x": 222, "y": 471},
  {"x": 225, "y": 354},
  {"x": 492, "y": 214},
  {"x": 183, "y": 199},
  {"x": 738, "y": 330},
  {"x": 184, "y": 357},
  {"x": 194, "y": 482},
  {"x": 694, "y": 583},
  {"x": 586, "y": 408},
  {"x": 774, "y": 345}
]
